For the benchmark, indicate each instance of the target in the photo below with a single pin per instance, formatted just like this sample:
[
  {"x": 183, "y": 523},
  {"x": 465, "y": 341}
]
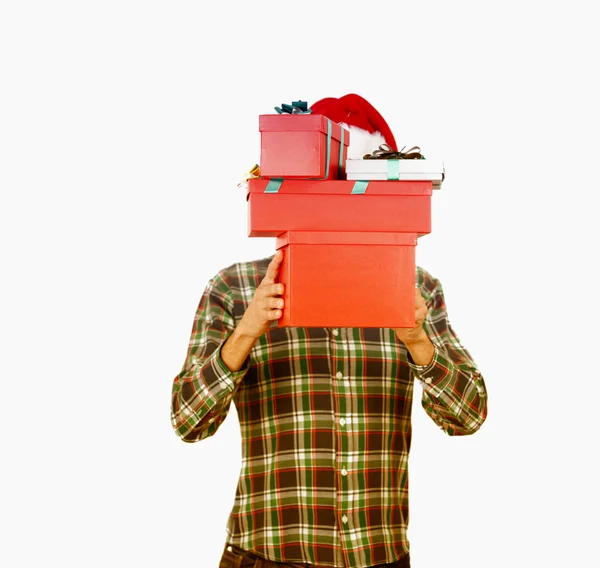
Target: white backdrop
[{"x": 124, "y": 130}]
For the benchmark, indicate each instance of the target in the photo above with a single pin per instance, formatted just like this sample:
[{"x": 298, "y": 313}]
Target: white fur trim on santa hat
[{"x": 362, "y": 142}]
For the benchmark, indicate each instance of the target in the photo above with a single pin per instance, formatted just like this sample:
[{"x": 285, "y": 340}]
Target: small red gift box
[
  {"x": 302, "y": 146},
  {"x": 276, "y": 206},
  {"x": 352, "y": 279}
]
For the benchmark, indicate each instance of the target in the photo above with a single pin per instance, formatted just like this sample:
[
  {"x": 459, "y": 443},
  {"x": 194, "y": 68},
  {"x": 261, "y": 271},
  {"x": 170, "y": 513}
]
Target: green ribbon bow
[{"x": 297, "y": 107}]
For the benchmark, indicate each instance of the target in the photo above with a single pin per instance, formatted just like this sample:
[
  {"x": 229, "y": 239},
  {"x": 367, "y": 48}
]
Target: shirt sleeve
[
  {"x": 454, "y": 393},
  {"x": 202, "y": 391}
]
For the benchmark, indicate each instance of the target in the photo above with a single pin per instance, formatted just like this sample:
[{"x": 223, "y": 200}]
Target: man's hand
[
  {"x": 416, "y": 340},
  {"x": 266, "y": 305},
  {"x": 411, "y": 334},
  {"x": 264, "y": 308}
]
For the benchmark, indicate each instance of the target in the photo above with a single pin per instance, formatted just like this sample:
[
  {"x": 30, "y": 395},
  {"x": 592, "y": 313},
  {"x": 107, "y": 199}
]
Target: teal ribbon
[
  {"x": 297, "y": 107},
  {"x": 393, "y": 169},
  {"x": 360, "y": 187},
  {"x": 328, "y": 156},
  {"x": 273, "y": 185},
  {"x": 341, "y": 158}
]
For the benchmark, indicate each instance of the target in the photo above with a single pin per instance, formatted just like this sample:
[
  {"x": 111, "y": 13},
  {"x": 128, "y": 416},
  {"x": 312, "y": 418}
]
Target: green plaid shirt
[{"x": 325, "y": 423}]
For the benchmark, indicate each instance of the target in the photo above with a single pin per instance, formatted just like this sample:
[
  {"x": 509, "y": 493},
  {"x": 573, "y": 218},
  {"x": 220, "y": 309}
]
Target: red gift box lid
[
  {"x": 344, "y": 238},
  {"x": 301, "y": 123},
  {"x": 340, "y": 187}
]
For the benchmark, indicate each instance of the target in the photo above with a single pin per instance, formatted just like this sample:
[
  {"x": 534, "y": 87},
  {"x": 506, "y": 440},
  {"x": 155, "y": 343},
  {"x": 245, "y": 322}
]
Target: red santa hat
[{"x": 368, "y": 130}]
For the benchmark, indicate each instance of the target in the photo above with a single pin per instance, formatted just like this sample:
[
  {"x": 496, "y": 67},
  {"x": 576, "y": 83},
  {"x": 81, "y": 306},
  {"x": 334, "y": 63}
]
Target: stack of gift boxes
[{"x": 348, "y": 244}]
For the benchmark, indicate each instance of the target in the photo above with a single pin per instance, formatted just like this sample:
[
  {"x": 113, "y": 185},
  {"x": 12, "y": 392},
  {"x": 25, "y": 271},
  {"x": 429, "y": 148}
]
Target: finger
[
  {"x": 273, "y": 314},
  {"x": 421, "y": 314},
  {"x": 273, "y": 303},
  {"x": 422, "y": 310},
  {"x": 273, "y": 268},
  {"x": 270, "y": 290},
  {"x": 264, "y": 293}
]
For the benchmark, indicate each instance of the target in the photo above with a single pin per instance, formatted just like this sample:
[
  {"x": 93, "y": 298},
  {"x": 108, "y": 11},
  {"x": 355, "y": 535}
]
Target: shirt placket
[{"x": 343, "y": 435}]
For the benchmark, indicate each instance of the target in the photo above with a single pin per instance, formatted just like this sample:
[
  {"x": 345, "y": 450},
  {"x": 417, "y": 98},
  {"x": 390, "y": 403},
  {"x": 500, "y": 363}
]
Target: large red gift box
[
  {"x": 276, "y": 206},
  {"x": 348, "y": 279},
  {"x": 302, "y": 146}
]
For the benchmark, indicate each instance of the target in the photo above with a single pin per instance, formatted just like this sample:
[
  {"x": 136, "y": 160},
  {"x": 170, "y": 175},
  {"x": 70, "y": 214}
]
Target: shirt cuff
[
  {"x": 219, "y": 380},
  {"x": 434, "y": 376}
]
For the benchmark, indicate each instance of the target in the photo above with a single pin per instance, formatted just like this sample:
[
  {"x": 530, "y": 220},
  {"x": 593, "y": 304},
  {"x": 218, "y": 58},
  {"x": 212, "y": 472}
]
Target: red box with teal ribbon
[
  {"x": 302, "y": 146},
  {"x": 276, "y": 206}
]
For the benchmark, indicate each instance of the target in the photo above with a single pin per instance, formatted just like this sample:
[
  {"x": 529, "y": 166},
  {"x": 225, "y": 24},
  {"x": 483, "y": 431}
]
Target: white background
[{"x": 124, "y": 130}]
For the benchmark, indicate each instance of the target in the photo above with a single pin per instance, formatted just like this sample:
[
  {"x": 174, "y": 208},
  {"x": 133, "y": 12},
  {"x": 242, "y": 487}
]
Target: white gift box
[{"x": 414, "y": 170}]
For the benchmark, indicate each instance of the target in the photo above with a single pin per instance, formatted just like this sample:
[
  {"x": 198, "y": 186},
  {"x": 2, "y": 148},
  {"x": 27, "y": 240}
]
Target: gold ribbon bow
[{"x": 253, "y": 173}]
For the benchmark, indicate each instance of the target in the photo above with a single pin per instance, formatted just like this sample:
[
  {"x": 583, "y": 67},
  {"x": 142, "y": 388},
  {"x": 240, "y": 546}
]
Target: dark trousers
[{"x": 234, "y": 557}]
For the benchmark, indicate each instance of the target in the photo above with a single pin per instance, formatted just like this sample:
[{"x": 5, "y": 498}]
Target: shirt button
[
  {"x": 428, "y": 380},
  {"x": 342, "y": 421},
  {"x": 339, "y": 375},
  {"x": 335, "y": 332},
  {"x": 344, "y": 519},
  {"x": 230, "y": 549},
  {"x": 344, "y": 472}
]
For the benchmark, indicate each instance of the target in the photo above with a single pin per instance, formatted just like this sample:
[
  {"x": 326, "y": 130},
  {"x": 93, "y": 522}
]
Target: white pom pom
[{"x": 362, "y": 142}]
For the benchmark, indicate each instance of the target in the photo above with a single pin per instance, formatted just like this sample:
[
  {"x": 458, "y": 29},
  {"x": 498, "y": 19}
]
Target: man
[{"x": 325, "y": 413}]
